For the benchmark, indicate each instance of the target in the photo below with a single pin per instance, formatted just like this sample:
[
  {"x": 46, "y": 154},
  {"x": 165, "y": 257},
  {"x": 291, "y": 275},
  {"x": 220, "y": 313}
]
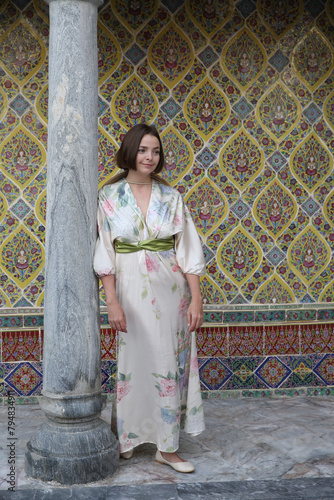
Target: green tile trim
[{"x": 310, "y": 315}]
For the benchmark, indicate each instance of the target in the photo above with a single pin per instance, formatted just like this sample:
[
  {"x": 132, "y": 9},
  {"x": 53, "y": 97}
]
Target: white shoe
[
  {"x": 127, "y": 454},
  {"x": 178, "y": 466}
]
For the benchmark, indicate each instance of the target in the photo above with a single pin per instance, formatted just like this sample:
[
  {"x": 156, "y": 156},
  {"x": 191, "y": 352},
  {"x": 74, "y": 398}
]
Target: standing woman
[{"x": 149, "y": 258}]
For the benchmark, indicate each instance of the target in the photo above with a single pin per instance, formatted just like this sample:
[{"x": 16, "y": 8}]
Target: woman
[{"x": 149, "y": 258}]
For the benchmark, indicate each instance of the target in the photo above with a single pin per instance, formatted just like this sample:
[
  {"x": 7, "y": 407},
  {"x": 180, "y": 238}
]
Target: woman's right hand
[{"x": 116, "y": 316}]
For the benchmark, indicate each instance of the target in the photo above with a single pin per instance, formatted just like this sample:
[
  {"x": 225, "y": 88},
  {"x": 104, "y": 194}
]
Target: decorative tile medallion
[
  {"x": 245, "y": 7},
  {"x": 244, "y": 58},
  {"x": 311, "y": 162},
  {"x": 241, "y": 159},
  {"x": 213, "y": 374},
  {"x": 22, "y": 256},
  {"x": 279, "y": 61},
  {"x": 20, "y": 208},
  {"x": 206, "y": 108},
  {"x": 243, "y": 108},
  {"x": 21, "y": 157},
  {"x": 310, "y": 207},
  {"x": 280, "y": 17},
  {"x": 278, "y": 112},
  {"x": 135, "y": 54},
  {"x": 239, "y": 256},
  {"x": 171, "y": 108},
  {"x": 22, "y": 51},
  {"x": 307, "y": 54},
  {"x": 309, "y": 254},
  {"x": 25, "y": 379},
  {"x": 240, "y": 209},
  {"x": 134, "y": 103},
  {"x": 312, "y": 113},
  {"x": 205, "y": 157},
  {"x": 170, "y": 55},
  {"x": 276, "y": 161},
  {"x": 20, "y": 104},
  {"x": 207, "y": 205},
  {"x": 273, "y": 372},
  {"x": 208, "y": 56},
  {"x": 275, "y": 208},
  {"x": 209, "y": 16},
  {"x": 275, "y": 256},
  {"x": 244, "y": 376},
  {"x": 302, "y": 371}
]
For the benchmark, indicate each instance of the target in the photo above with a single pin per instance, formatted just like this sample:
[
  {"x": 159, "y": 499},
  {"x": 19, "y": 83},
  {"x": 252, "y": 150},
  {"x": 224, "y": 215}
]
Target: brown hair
[{"x": 126, "y": 155}]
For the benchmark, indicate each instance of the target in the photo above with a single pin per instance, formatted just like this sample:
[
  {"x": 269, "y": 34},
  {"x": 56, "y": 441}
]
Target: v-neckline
[{"x": 136, "y": 203}]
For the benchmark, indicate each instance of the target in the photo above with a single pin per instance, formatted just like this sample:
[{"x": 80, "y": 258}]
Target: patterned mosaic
[
  {"x": 242, "y": 93},
  {"x": 283, "y": 354}
]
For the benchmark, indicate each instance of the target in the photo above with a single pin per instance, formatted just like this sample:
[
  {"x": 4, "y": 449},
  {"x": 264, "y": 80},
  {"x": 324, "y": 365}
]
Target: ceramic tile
[
  {"x": 25, "y": 379},
  {"x": 317, "y": 338},
  {"x": 269, "y": 316},
  {"x": 212, "y": 341},
  {"x": 281, "y": 339},
  {"x": 213, "y": 374},
  {"x": 21, "y": 345},
  {"x": 238, "y": 317},
  {"x": 11, "y": 321},
  {"x": 303, "y": 315},
  {"x": 108, "y": 344},
  {"x": 245, "y": 340}
]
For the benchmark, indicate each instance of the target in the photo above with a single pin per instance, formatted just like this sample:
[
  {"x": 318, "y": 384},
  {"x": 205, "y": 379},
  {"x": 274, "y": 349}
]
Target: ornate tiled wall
[{"x": 243, "y": 95}]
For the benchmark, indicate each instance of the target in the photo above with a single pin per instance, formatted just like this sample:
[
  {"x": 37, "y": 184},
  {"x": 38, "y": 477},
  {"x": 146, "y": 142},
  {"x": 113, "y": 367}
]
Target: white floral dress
[{"x": 157, "y": 388}]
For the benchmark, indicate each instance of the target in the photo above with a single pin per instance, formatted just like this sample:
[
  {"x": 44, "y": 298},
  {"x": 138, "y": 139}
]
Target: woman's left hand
[{"x": 195, "y": 314}]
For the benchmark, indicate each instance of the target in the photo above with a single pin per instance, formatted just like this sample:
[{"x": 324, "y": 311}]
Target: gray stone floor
[{"x": 264, "y": 449}]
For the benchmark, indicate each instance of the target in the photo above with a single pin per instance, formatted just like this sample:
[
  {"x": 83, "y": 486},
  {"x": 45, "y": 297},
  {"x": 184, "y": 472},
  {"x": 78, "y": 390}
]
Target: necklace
[{"x": 140, "y": 183}]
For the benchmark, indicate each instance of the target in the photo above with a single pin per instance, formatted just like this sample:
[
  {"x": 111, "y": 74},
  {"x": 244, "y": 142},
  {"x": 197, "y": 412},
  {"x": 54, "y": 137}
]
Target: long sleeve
[
  {"x": 104, "y": 257},
  {"x": 189, "y": 252}
]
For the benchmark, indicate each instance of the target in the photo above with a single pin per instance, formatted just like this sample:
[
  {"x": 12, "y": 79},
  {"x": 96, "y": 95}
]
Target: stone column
[{"x": 74, "y": 446}]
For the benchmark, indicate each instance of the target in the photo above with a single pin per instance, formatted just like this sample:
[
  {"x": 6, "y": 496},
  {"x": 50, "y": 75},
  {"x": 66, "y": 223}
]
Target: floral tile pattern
[{"x": 243, "y": 96}]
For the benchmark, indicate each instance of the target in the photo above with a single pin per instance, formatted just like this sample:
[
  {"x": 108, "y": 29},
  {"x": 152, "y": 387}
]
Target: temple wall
[{"x": 244, "y": 102}]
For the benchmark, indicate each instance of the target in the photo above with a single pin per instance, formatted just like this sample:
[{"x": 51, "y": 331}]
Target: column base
[{"x": 73, "y": 452}]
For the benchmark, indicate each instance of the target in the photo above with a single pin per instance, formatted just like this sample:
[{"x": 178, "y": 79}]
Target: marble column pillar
[{"x": 74, "y": 445}]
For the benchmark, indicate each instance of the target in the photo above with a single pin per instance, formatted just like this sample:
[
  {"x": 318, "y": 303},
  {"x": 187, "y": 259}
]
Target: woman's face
[{"x": 148, "y": 155}]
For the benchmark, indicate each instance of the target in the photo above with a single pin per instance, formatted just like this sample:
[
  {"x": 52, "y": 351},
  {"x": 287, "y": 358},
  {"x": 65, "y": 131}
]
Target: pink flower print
[
  {"x": 176, "y": 268},
  {"x": 177, "y": 220},
  {"x": 108, "y": 208},
  {"x": 123, "y": 388},
  {"x": 151, "y": 263},
  {"x": 194, "y": 364},
  {"x": 124, "y": 443},
  {"x": 104, "y": 271},
  {"x": 153, "y": 301},
  {"x": 168, "y": 388},
  {"x": 183, "y": 307}
]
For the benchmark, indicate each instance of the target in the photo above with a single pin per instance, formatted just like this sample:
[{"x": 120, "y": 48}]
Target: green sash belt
[{"x": 154, "y": 245}]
